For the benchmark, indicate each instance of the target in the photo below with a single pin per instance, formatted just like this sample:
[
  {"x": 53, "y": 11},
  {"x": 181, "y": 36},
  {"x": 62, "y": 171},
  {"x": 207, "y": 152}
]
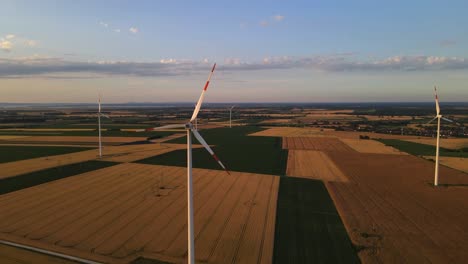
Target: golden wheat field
[
  {"x": 371, "y": 146},
  {"x": 129, "y": 210},
  {"x": 312, "y": 164}
]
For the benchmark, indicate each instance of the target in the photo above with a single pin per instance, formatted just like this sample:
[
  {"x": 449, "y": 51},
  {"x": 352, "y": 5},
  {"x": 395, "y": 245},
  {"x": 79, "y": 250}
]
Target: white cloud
[
  {"x": 133, "y": 30},
  {"x": 10, "y": 36},
  {"x": 30, "y": 43},
  {"x": 39, "y": 66},
  {"x": 117, "y": 30},
  {"x": 104, "y": 24},
  {"x": 278, "y": 18},
  {"x": 5, "y": 45}
]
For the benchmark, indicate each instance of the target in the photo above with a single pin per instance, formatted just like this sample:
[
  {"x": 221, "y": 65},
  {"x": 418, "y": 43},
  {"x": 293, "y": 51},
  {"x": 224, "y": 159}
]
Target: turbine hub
[{"x": 188, "y": 126}]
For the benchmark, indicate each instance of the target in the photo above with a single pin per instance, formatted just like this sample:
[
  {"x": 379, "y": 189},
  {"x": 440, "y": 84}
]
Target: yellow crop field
[
  {"x": 119, "y": 213},
  {"x": 371, "y": 146},
  {"x": 313, "y": 165}
]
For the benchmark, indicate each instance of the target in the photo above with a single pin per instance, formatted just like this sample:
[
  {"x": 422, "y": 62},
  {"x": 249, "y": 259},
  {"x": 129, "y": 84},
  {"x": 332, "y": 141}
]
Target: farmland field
[
  {"x": 125, "y": 153},
  {"x": 460, "y": 164},
  {"x": 312, "y": 164},
  {"x": 449, "y": 143},
  {"x": 15, "y": 153},
  {"x": 308, "y": 227},
  {"x": 236, "y": 150},
  {"x": 113, "y": 214},
  {"x": 312, "y": 143},
  {"x": 394, "y": 214},
  {"x": 418, "y": 149},
  {"x": 39, "y": 177},
  {"x": 370, "y": 146}
]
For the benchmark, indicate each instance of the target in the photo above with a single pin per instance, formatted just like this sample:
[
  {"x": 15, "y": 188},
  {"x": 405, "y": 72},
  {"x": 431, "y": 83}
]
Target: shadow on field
[
  {"x": 308, "y": 227},
  {"x": 39, "y": 177}
]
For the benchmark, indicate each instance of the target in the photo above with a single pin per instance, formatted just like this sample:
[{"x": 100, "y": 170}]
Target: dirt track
[{"x": 121, "y": 212}]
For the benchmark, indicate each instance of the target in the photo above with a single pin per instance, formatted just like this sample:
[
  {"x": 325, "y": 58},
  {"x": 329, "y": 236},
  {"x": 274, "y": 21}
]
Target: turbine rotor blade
[
  {"x": 163, "y": 127},
  {"x": 207, "y": 147},
  {"x": 448, "y": 120},
  {"x": 437, "y": 101},
  {"x": 431, "y": 120},
  {"x": 202, "y": 96}
]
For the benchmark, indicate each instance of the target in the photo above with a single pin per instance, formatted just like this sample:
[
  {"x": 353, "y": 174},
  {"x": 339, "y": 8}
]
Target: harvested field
[
  {"x": 312, "y": 164},
  {"x": 460, "y": 164},
  {"x": 120, "y": 213},
  {"x": 394, "y": 214},
  {"x": 49, "y": 129},
  {"x": 371, "y": 146},
  {"x": 310, "y": 143},
  {"x": 308, "y": 228},
  {"x": 449, "y": 143},
  {"x": 126, "y": 153}
]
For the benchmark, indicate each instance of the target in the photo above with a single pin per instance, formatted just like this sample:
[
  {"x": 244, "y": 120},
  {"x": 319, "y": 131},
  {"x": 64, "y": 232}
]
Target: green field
[
  {"x": 308, "y": 227},
  {"x": 39, "y": 177},
  {"x": 236, "y": 150},
  {"x": 418, "y": 149},
  {"x": 15, "y": 153}
]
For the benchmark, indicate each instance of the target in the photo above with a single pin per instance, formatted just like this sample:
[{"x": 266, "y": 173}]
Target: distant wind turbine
[
  {"x": 438, "y": 117},
  {"x": 189, "y": 126},
  {"x": 99, "y": 124},
  {"x": 230, "y": 116}
]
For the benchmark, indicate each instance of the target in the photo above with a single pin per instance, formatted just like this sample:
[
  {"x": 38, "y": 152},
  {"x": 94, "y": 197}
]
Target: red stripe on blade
[
  {"x": 215, "y": 157},
  {"x": 214, "y": 66},
  {"x": 206, "y": 86}
]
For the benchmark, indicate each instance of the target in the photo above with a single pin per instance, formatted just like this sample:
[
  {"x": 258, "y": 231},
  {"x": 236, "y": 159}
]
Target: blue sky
[{"x": 308, "y": 51}]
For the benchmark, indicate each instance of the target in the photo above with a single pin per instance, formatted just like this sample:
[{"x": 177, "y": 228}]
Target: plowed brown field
[
  {"x": 394, "y": 214},
  {"x": 311, "y": 143},
  {"x": 119, "y": 213},
  {"x": 313, "y": 165}
]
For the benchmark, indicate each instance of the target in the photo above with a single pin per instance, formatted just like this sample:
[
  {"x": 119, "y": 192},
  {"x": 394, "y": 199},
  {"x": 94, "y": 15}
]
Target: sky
[{"x": 266, "y": 51}]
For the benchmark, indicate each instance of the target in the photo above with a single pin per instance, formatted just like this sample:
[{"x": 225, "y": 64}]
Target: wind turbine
[
  {"x": 438, "y": 117},
  {"x": 99, "y": 124},
  {"x": 230, "y": 116},
  {"x": 189, "y": 126}
]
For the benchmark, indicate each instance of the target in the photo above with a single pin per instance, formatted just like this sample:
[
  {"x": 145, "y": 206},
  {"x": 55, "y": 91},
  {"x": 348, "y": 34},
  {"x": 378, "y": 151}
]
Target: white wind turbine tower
[
  {"x": 438, "y": 117},
  {"x": 189, "y": 126},
  {"x": 99, "y": 124},
  {"x": 230, "y": 116}
]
